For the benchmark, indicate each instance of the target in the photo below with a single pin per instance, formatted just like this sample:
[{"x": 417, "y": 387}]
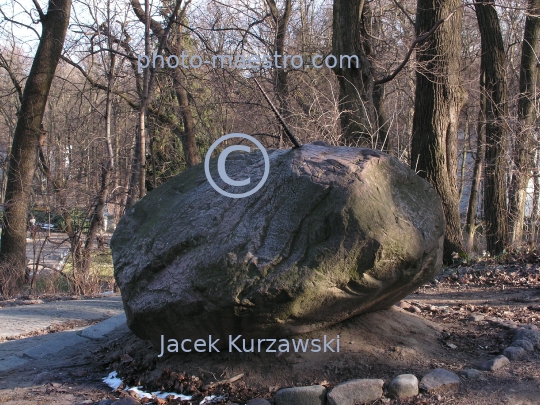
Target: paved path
[{"x": 23, "y": 320}]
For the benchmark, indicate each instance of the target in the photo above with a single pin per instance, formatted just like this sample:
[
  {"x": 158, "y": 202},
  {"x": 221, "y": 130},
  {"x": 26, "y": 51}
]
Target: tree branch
[
  {"x": 42, "y": 16},
  {"x": 157, "y": 29},
  {"x": 273, "y": 9},
  {"x": 5, "y": 65},
  {"x": 417, "y": 41},
  {"x": 405, "y": 13},
  {"x": 100, "y": 86},
  {"x": 43, "y": 167},
  {"x": 18, "y": 23},
  {"x": 160, "y": 116},
  {"x": 286, "y": 128},
  {"x": 129, "y": 54}
]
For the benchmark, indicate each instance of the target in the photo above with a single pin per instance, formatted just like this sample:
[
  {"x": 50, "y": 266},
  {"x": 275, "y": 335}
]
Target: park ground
[{"x": 433, "y": 328}]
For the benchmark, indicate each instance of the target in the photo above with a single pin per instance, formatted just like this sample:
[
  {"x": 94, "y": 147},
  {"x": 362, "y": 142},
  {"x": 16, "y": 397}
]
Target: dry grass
[
  {"x": 98, "y": 279},
  {"x": 11, "y": 278}
]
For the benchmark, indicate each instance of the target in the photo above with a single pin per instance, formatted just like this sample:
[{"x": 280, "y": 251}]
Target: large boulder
[{"x": 333, "y": 233}]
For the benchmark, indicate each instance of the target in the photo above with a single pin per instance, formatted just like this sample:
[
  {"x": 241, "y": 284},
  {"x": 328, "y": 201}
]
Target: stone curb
[{"x": 99, "y": 330}]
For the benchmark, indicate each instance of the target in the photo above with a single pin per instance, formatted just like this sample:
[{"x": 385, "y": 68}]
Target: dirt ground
[{"x": 437, "y": 333}]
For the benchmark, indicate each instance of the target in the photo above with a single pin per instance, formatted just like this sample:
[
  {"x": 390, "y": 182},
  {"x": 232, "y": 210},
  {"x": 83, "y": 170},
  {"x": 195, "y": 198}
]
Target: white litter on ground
[
  {"x": 140, "y": 393},
  {"x": 114, "y": 382},
  {"x": 164, "y": 395},
  {"x": 212, "y": 399}
]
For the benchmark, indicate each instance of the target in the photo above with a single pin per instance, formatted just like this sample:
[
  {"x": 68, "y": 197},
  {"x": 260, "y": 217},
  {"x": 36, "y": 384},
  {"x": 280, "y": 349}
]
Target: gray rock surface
[
  {"x": 403, "y": 386},
  {"x": 258, "y": 401},
  {"x": 356, "y": 392},
  {"x": 476, "y": 318},
  {"x": 312, "y": 395},
  {"x": 506, "y": 324},
  {"x": 514, "y": 353},
  {"x": 333, "y": 233},
  {"x": 470, "y": 373},
  {"x": 495, "y": 363},
  {"x": 414, "y": 309},
  {"x": 530, "y": 334},
  {"x": 43, "y": 378},
  {"x": 440, "y": 380},
  {"x": 524, "y": 343},
  {"x": 10, "y": 362}
]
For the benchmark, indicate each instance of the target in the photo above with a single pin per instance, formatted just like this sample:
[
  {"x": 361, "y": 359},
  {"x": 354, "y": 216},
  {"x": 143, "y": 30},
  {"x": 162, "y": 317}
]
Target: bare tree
[
  {"x": 524, "y": 155},
  {"x": 358, "y": 118},
  {"x": 493, "y": 69},
  {"x": 23, "y": 156},
  {"x": 108, "y": 167},
  {"x": 281, "y": 22},
  {"x": 173, "y": 45},
  {"x": 470, "y": 224},
  {"x": 438, "y": 102}
]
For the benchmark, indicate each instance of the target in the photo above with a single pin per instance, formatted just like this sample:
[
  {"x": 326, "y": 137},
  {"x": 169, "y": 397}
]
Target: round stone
[{"x": 403, "y": 386}]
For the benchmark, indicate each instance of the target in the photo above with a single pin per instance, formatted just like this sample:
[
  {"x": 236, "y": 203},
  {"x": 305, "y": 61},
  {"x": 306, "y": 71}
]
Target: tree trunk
[
  {"x": 144, "y": 105},
  {"x": 464, "y": 150},
  {"x": 358, "y": 118},
  {"x": 96, "y": 221},
  {"x": 281, "y": 83},
  {"x": 526, "y": 120},
  {"x": 133, "y": 183},
  {"x": 470, "y": 225},
  {"x": 373, "y": 30},
  {"x": 187, "y": 137},
  {"x": 23, "y": 157},
  {"x": 439, "y": 98},
  {"x": 383, "y": 125},
  {"x": 141, "y": 159},
  {"x": 493, "y": 67},
  {"x": 536, "y": 196}
]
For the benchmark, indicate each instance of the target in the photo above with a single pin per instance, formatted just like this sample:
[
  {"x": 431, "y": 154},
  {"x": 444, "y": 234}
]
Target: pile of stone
[
  {"x": 362, "y": 391},
  {"x": 525, "y": 340},
  {"x": 438, "y": 381}
]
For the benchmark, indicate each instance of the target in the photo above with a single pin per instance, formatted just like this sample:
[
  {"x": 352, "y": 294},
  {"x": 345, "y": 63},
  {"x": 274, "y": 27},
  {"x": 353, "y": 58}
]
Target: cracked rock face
[{"x": 333, "y": 233}]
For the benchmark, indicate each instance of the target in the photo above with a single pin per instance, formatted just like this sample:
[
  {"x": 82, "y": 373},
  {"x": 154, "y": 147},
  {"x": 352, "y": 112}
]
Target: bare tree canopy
[{"x": 102, "y": 101}]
